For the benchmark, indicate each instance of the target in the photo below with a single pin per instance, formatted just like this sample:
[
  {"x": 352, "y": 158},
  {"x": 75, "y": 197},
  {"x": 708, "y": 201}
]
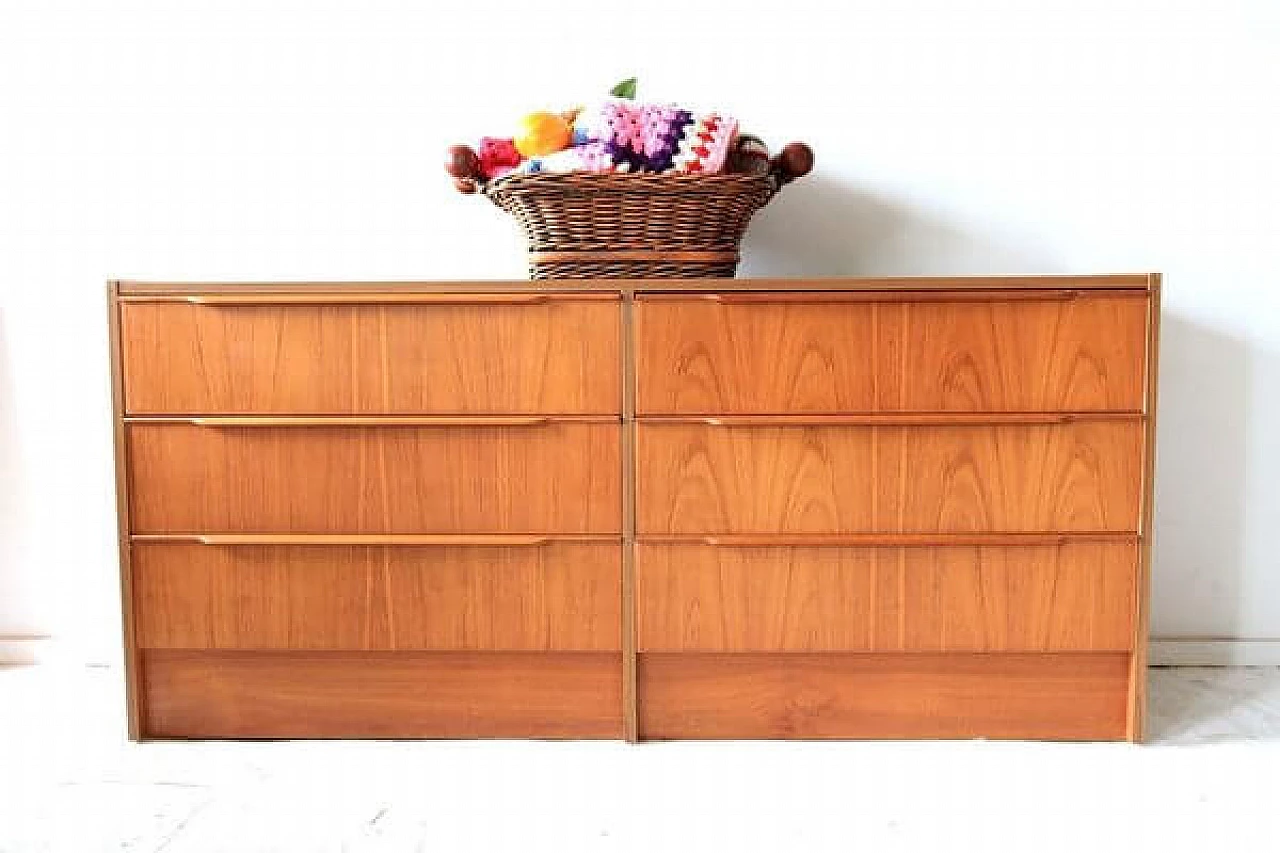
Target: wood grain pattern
[
  {"x": 865, "y": 507},
  {"x": 975, "y": 599},
  {"x": 1059, "y": 478},
  {"x": 263, "y": 694},
  {"x": 701, "y": 356},
  {"x": 563, "y": 597},
  {"x": 557, "y": 357},
  {"x": 1047, "y": 696},
  {"x": 554, "y": 478}
]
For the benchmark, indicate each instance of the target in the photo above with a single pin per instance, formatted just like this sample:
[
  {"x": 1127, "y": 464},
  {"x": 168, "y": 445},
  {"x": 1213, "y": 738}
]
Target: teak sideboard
[{"x": 829, "y": 508}]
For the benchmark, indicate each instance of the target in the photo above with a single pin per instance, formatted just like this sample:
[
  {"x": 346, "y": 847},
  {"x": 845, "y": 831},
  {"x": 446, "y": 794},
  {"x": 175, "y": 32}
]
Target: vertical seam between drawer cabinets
[
  {"x": 630, "y": 678},
  {"x": 124, "y": 527}
]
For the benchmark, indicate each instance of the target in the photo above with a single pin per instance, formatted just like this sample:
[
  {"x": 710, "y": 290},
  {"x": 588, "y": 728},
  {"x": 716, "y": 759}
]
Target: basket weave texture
[{"x": 599, "y": 225}]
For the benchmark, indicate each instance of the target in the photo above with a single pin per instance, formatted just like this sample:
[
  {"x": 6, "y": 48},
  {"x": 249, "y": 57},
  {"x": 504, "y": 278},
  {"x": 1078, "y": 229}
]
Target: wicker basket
[{"x": 586, "y": 225}]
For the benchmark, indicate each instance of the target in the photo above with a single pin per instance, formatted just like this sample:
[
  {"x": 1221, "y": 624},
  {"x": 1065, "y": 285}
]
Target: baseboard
[
  {"x": 1173, "y": 652},
  {"x": 19, "y": 650}
]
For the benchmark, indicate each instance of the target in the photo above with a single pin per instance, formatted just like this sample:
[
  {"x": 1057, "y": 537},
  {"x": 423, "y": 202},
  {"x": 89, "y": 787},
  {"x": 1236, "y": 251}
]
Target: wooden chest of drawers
[{"x": 813, "y": 509}]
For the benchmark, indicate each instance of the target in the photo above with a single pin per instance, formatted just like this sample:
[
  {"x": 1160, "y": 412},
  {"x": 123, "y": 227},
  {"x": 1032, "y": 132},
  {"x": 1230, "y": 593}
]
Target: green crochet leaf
[{"x": 625, "y": 89}]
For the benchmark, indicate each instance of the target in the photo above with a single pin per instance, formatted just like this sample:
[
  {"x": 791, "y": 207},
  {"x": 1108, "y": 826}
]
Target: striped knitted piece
[{"x": 704, "y": 147}]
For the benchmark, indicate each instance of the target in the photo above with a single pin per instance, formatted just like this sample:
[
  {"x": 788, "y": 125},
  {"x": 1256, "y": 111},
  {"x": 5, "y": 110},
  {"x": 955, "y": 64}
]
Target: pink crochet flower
[
  {"x": 595, "y": 157},
  {"x": 611, "y": 121}
]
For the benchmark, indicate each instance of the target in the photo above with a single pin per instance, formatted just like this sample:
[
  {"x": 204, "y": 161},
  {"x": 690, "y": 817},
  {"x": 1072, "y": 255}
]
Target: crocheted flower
[
  {"x": 497, "y": 156},
  {"x": 614, "y": 121},
  {"x": 624, "y": 158},
  {"x": 595, "y": 157},
  {"x": 662, "y": 145}
]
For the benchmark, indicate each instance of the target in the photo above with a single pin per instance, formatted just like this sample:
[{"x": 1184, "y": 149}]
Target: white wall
[{"x": 274, "y": 140}]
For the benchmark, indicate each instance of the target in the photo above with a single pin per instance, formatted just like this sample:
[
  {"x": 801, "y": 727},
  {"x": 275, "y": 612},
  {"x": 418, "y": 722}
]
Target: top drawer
[
  {"x": 495, "y": 353},
  {"x": 770, "y": 353}
]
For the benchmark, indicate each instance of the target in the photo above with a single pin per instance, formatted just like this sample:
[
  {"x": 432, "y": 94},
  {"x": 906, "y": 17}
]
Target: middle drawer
[
  {"x": 536, "y": 477},
  {"x": 720, "y": 477}
]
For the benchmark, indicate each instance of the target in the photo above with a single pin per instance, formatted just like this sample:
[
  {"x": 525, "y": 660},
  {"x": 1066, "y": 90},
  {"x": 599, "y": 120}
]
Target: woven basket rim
[{"x": 718, "y": 183}]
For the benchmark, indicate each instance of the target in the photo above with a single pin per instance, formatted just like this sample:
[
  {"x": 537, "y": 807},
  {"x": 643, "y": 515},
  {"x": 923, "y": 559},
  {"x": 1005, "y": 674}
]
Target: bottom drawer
[
  {"x": 796, "y": 695},
  {"x": 189, "y": 694}
]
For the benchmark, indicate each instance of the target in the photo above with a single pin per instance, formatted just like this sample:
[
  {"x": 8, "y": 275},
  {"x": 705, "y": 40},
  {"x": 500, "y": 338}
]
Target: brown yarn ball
[{"x": 461, "y": 161}]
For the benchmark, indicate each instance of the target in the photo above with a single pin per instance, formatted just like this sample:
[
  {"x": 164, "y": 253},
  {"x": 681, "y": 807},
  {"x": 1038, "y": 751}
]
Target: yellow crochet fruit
[{"x": 540, "y": 134}]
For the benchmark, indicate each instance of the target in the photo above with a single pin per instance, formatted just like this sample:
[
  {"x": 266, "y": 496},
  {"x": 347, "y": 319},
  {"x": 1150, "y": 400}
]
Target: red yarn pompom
[{"x": 497, "y": 156}]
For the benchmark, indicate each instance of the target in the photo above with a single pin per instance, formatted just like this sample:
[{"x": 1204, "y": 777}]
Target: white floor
[{"x": 1208, "y": 781}]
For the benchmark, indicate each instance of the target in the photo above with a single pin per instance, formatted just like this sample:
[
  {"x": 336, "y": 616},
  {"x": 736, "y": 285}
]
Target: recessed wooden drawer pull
[
  {"x": 501, "y": 540},
  {"x": 252, "y": 299},
  {"x": 817, "y": 296},
  {"x": 237, "y": 421},
  {"x": 891, "y": 540},
  {"x": 892, "y": 419}
]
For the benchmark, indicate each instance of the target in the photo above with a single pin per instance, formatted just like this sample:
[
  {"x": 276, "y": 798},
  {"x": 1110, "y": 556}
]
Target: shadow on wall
[
  {"x": 822, "y": 226},
  {"x": 1201, "y": 567},
  {"x": 1202, "y": 466}
]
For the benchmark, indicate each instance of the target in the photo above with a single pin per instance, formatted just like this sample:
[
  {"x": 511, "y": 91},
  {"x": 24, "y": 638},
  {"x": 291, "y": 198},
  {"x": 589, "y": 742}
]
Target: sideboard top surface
[{"x": 1132, "y": 281}]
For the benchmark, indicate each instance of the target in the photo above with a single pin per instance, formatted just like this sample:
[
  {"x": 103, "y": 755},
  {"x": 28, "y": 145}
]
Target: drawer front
[
  {"x": 305, "y": 694},
  {"x": 707, "y": 479},
  {"x": 886, "y": 695},
  {"x": 560, "y": 356},
  {"x": 752, "y": 355},
  {"x": 554, "y": 597},
  {"x": 700, "y": 598},
  {"x": 542, "y": 478}
]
